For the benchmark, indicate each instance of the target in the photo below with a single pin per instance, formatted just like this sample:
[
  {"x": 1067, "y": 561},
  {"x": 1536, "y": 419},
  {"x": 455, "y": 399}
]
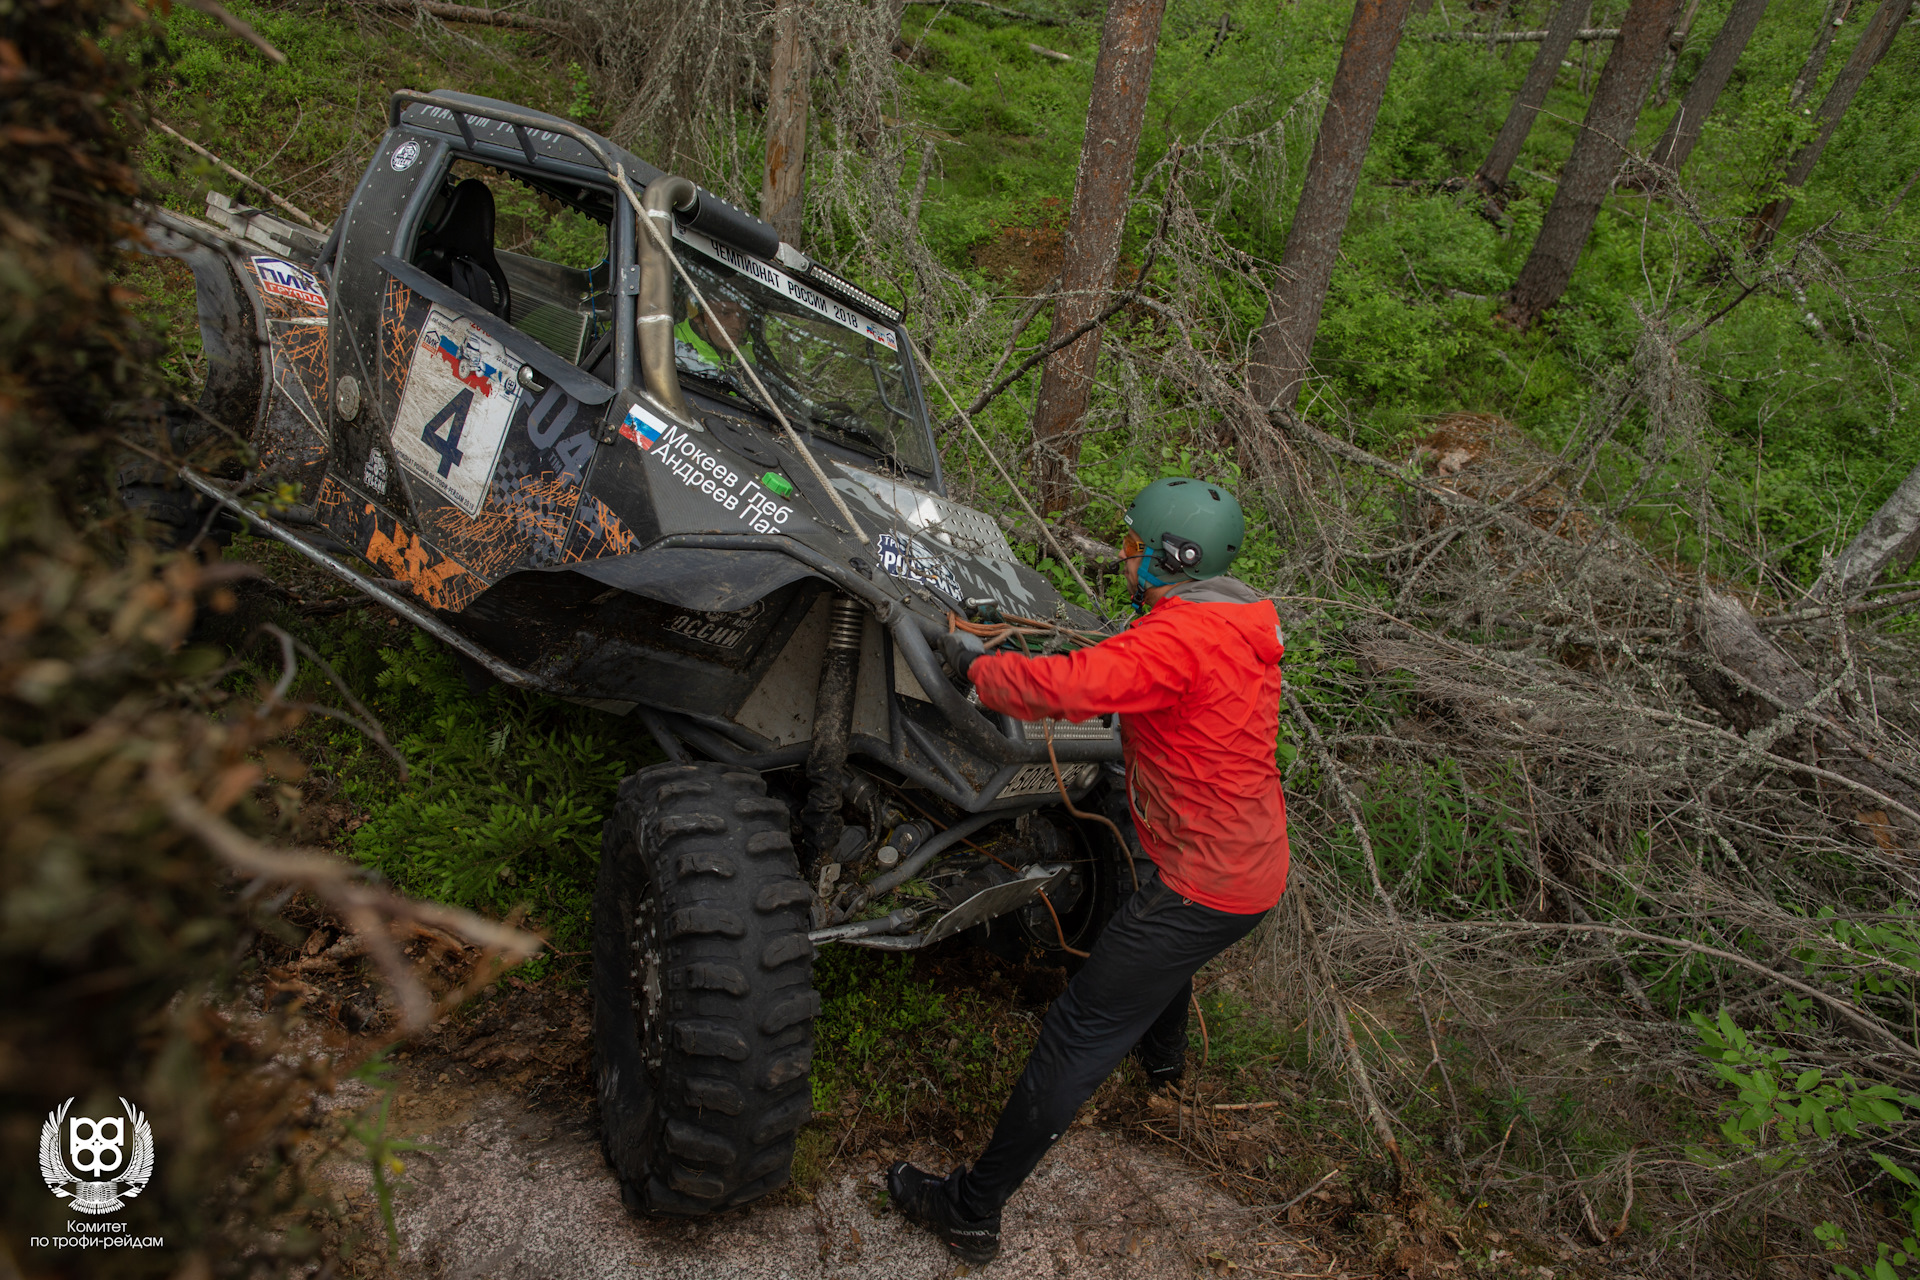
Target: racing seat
[{"x": 458, "y": 249}]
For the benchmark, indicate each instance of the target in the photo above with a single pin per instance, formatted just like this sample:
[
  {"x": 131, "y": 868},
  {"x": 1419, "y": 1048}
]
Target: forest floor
[
  {"x": 493, "y": 1116},
  {"x": 514, "y": 1189},
  {"x": 509, "y": 1182}
]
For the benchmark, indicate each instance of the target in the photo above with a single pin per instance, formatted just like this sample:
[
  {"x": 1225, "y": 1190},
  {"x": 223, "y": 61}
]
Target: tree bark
[
  {"x": 1568, "y": 18},
  {"x": 1597, "y": 155},
  {"x": 1874, "y": 43},
  {"x": 783, "y": 190},
  {"x": 1886, "y": 539},
  {"x": 1830, "y": 24},
  {"x": 1280, "y": 352},
  {"x": 1121, "y": 76},
  {"x": 1683, "y": 131},
  {"x": 1675, "y": 43}
]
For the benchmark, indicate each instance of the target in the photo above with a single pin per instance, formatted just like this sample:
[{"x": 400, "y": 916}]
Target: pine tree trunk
[
  {"x": 1675, "y": 43},
  {"x": 1121, "y": 76},
  {"x": 1280, "y": 352},
  {"x": 1598, "y": 152},
  {"x": 783, "y": 191},
  {"x": 1569, "y": 16},
  {"x": 1874, "y": 43},
  {"x": 1683, "y": 131},
  {"x": 1830, "y": 24}
]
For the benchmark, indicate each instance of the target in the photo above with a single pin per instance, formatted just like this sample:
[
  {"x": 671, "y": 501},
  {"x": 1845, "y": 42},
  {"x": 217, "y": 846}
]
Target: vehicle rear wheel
[{"x": 703, "y": 990}]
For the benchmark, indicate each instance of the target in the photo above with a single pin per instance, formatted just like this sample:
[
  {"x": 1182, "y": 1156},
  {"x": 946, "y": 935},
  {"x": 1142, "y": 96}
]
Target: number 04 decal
[{"x": 455, "y": 410}]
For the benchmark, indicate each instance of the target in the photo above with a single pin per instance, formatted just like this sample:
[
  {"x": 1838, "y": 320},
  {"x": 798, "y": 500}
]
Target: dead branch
[
  {"x": 1356, "y": 1066},
  {"x": 235, "y": 174},
  {"x": 1519, "y": 37},
  {"x": 239, "y": 27},
  {"x": 366, "y": 910},
  {"x": 1037, "y": 20},
  {"x": 1868, "y": 1025},
  {"x": 472, "y": 14}
]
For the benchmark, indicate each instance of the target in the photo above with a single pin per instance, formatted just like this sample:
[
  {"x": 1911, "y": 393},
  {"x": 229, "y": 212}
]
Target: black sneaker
[
  {"x": 1162, "y": 1076},
  {"x": 922, "y": 1199}
]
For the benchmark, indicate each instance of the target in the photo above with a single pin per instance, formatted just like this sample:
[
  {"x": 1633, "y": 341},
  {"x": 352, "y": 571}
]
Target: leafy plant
[
  {"x": 506, "y": 797},
  {"x": 1775, "y": 1110},
  {"x": 877, "y": 1019}
]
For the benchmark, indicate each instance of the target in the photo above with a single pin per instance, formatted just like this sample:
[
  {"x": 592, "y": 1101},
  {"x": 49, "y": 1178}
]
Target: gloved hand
[{"x": 960, "y": 649}]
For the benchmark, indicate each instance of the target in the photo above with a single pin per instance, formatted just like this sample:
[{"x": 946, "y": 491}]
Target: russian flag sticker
[{"x": 638, "y": 429}]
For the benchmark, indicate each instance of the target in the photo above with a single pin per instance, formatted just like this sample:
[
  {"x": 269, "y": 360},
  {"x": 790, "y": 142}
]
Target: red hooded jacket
[{"x": 1197, "y": 684}]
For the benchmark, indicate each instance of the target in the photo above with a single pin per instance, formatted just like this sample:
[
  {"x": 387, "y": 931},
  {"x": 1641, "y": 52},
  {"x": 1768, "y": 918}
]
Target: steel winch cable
[
  {"x": 1015, "y": 627},
  {"x": 1046, "y": 531}
]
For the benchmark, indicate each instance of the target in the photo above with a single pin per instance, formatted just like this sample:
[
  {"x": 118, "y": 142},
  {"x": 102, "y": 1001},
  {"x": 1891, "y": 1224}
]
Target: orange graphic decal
[{"x": 438, "y": 581}]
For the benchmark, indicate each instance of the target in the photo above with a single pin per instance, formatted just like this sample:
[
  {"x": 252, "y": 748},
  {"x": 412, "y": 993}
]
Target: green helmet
[{"x": 1191, "y": 529}]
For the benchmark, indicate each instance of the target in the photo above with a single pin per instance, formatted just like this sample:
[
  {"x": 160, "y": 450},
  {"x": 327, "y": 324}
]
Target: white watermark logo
[{"x": 121, "y": 1146}]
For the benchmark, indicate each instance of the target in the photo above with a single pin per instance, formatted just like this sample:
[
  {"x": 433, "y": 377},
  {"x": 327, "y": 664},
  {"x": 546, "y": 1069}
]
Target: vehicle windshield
[{"x": 829, "y": 379}]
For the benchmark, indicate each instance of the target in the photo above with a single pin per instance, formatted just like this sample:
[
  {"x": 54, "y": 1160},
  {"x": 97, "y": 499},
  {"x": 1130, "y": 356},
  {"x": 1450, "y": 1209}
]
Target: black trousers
[{"x": 1133, "y": 990}]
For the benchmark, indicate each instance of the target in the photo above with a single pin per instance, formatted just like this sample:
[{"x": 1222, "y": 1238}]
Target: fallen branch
[
  {"x": 1586, "y": 1206},
  {"x": 473, "y": 14},
  {"x": 1620, "y": 1227},
  {"x": 1357, "y": 1072},
  {"x": 1322, "y": 1181},
  {"x": 1518, "y": 37},
  {"x": 234, "y": 173},
  {"x": 365, "y": 910},
  {"x": 1054, "y": 54},
  {"x": 1002, "y": 10},
  {"x": 1827, "y": 611},
  {"x": 1865, "y": 1022},
  {"x": 239, "y": 27}
]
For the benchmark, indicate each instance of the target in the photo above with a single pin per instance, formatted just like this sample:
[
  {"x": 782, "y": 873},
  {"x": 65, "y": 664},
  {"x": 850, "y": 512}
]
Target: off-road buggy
[{"x": 561, "y": 473}]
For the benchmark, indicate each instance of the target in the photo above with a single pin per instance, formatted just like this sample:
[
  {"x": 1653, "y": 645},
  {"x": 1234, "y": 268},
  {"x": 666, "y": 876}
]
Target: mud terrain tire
[{"x": 702, "y": 990}]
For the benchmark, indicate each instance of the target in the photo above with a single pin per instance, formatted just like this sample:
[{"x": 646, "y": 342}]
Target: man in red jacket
[{"x": 1196, "y": 681}]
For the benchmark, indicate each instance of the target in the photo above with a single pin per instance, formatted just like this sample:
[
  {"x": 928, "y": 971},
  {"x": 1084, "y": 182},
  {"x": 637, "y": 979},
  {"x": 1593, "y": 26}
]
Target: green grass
[
  {"x": 505, "y": 792},
  {"x": 890, "y": 1037}
]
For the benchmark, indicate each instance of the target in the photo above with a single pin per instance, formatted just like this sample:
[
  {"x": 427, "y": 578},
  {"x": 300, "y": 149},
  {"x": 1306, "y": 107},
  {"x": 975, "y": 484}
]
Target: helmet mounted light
[{"x": 1182, "y": 529}]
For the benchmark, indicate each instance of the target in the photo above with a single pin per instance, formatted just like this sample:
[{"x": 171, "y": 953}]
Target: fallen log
[
  {"x": 1002, "y": 10},
  {"x": 472, "y": 14},
  {"x": 1890, "y": 540},
  {"x": 1518, "y": 37}
]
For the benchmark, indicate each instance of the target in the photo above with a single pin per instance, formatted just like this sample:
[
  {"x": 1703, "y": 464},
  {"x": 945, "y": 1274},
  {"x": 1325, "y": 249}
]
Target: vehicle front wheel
[{"x": 703, "y": 990}]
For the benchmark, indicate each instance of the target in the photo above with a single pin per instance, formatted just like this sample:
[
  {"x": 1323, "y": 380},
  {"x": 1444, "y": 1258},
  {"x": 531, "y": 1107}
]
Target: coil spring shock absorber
[{"x": 820, "y": 820}]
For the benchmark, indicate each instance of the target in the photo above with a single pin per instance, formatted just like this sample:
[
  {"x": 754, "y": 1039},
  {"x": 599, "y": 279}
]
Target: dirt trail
[
  {"x": 513, "y": 1192},
  {"x": 510, "y": 1184}
]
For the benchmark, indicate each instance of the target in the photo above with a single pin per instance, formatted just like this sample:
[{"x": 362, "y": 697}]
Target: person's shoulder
[{"x": 1219, "y": 589}]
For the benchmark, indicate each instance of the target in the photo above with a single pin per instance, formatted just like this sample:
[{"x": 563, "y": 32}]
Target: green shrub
[{"x": 506, "y": 795}]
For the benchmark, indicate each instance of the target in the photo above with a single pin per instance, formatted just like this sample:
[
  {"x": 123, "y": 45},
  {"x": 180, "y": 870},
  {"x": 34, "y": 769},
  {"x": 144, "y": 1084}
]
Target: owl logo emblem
[{"x": 114, "y": 1156}]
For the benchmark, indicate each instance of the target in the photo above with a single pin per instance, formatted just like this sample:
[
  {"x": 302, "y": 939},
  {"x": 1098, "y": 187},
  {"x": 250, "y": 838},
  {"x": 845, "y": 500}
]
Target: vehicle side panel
[{"x": 292, "y": 435}]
